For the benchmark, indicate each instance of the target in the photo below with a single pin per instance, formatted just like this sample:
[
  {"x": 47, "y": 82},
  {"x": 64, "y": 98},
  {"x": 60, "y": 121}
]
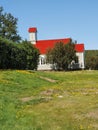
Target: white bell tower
[{"x": 32, "y": 35}]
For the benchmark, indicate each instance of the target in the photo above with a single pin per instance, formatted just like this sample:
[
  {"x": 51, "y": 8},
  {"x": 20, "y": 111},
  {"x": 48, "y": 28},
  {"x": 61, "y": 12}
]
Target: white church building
[{"x": 44, "y": 45}]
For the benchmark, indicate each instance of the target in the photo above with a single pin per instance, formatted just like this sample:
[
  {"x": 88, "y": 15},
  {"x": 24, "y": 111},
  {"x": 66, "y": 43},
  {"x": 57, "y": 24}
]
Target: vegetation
[
  {"x": 32, "y": 100},
  {"x": 18, "y": 56},
  {"x": 62, "y": 55},
  {"x": 91, "y": 59},
  {"x": 12, "y": 55},
  {"x": 8, "y": 26}
]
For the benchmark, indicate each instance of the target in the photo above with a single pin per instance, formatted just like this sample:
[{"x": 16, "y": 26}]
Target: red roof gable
[
  {"x": 32, "y": 30},
  {"x": 44, "y": 45}
]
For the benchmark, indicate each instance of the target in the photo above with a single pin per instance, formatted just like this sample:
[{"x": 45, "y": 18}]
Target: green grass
[{"x": 29, "y": 102}]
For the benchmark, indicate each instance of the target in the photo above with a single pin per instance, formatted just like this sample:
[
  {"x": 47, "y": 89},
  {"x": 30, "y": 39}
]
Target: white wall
[
  {"x": 44, "y": 66},
  {"x": 42, "y": 63},
  {"x": 80, "y": 59}
]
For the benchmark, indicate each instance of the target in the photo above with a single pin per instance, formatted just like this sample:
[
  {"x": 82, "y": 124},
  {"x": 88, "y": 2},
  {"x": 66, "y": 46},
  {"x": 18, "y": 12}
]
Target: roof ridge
[{"x": 53, "y": 39}]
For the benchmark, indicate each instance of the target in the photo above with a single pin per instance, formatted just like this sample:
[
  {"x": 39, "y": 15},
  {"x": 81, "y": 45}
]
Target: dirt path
[{"x": 48, "y": 79}]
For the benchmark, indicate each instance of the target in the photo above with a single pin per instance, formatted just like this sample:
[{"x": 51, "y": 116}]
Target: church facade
[{"x": 44, "y": 45}]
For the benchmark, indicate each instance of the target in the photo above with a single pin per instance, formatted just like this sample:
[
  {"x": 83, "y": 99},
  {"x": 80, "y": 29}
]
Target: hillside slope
[{"x": 31, "y": 100}]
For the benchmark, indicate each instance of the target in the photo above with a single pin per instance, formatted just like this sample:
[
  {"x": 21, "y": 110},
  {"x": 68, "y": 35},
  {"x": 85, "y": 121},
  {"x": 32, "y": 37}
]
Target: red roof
[
  {"x": 32, "y": 30},
  {"x": 44, "y": 45}
]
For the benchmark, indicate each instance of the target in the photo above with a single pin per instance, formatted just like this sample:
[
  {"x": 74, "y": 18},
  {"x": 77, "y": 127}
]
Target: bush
[
  {"x": 18, "y": 56},
  {"x": 91, "y": 59}
]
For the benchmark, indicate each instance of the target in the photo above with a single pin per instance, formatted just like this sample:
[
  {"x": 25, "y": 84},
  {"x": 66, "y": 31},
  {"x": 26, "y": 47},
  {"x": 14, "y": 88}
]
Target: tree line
[
  {"x": 24, "y": 55},
  {"x": 14, "y": 52},
  {"x": 18, "y": 56},
  {"x": 91, "y": 59}
]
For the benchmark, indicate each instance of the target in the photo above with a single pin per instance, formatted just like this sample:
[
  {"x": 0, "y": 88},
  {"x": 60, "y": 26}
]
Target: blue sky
[{"x": 54, "y": 19}]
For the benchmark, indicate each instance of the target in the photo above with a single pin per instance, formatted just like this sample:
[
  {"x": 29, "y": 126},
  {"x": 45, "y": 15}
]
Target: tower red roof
[
  {"x": 32, "y": 30},
  {"x": 79, "y": 47}
]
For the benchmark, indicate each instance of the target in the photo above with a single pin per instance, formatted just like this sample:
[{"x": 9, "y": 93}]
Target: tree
[
  {"x": 62, "y": 55},
  {"x": 91, "y": 59},
  {"x": 8, "y": 26}
]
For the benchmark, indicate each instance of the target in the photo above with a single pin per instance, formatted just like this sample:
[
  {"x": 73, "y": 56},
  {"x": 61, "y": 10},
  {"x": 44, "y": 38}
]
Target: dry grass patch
[
  {"x": 92, "y": 114},
  {"x": 26, "y": 99}
]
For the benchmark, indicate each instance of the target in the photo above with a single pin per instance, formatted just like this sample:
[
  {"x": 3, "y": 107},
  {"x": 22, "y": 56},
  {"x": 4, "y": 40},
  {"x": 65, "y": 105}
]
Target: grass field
[{"x": 48, "y": 100}]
